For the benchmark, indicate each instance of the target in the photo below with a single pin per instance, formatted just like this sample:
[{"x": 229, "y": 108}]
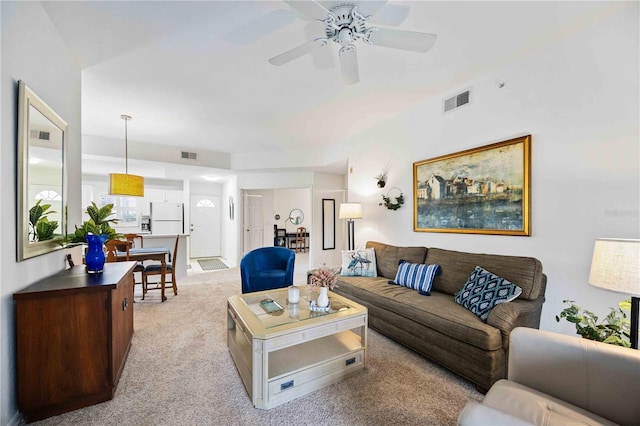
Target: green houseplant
[
  {"x": 94, "y": 232},
  {"x": 613, "y": 329},
  {"x": 98, "y": 224}
]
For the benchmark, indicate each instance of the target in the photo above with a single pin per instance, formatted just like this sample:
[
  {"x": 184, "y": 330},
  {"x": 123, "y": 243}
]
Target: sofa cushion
[
  {"x": 388, "y": 257},
  {"x": 525, "y": 272},
  {"x": 416, "y": 276},
  {"x": 438, "y": 312},
  {"x": 361, "y": 263},
  {"x": 484, "y": 290}
]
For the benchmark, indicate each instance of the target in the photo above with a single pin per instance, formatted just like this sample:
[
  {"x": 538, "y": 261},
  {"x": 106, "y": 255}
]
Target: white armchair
[{"x": 554, "y": 379}]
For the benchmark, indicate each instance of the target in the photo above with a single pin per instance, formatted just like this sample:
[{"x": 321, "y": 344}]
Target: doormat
[{"x": 212, "y": 264}]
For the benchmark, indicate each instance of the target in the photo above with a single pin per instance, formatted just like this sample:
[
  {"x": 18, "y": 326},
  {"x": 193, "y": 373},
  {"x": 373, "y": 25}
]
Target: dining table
[{"x": 148, "y": 253}]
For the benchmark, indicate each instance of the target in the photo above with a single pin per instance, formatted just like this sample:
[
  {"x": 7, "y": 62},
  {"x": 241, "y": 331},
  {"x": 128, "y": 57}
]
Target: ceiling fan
[{"x": 345, "y": 23}]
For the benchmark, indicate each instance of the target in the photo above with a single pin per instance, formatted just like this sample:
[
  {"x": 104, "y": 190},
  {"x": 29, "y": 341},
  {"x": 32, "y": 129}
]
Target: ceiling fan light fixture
[
  {"x": 126, "y": 184},
  {"x": 344, "y": 25}
]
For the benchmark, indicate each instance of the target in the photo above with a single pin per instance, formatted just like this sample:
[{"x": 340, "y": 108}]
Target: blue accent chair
[{"x": 267, "y": 268}]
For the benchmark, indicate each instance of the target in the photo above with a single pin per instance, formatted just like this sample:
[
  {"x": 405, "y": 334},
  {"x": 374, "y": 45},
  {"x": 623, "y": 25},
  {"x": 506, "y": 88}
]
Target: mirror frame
[
  {"x": 300, "y": 215},
  {"x": 26, "y": 99}
]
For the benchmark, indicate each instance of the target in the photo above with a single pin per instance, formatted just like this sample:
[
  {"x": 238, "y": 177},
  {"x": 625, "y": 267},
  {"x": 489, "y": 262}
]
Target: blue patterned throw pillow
[
  {"x": 416, "y": 276},
  {"x": 484, "y": 290}
]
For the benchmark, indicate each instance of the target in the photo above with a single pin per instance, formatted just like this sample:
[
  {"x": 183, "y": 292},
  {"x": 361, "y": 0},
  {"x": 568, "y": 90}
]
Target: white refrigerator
[{"x": 166, "y": 218}]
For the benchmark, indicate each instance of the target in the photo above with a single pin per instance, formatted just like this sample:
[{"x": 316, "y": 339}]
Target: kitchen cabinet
[
  {"x": 73, "y": 334},
  {"x": 166, "y": 195}
]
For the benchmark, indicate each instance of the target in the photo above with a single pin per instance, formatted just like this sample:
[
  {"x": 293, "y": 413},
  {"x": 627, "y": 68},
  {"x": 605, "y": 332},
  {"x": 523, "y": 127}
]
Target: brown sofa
[{"x": 436, "y": 326}]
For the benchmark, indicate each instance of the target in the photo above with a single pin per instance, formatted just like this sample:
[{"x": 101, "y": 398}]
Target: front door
[{"x": 204, "y": 232}]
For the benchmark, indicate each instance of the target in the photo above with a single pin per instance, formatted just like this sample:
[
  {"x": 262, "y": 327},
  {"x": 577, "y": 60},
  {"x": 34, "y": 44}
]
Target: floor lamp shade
[
  {"x": 350, "y": 211},
  {"x": 126, "y": 184},
  {"x": 616, "y": 266}
]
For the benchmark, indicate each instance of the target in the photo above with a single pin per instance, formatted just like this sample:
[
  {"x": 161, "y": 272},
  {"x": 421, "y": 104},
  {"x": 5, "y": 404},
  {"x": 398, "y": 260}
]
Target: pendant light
[{"x": 126, "y": 184}]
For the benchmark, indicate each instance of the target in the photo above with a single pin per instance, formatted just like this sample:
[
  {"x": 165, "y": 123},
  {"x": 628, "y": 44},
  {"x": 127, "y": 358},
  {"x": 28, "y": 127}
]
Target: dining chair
[
  {"x": 300, "y": 240},
  {"x": 139, "y": 268},
  {"x": 156, "y": 269},
  {"x": 113, "y": 246}
]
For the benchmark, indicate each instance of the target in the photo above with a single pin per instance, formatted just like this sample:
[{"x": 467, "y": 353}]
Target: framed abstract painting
[{"x": 483, "y": 190}]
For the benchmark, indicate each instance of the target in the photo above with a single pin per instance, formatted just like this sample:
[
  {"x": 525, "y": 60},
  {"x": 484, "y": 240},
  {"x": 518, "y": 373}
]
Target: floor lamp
[
  {"x": 350, "y": 211},
  {"x": 616, "y": 266}
]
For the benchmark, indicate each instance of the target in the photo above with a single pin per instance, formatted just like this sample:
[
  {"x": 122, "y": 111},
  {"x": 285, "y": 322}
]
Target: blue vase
[{"x": 94, "y": 258}]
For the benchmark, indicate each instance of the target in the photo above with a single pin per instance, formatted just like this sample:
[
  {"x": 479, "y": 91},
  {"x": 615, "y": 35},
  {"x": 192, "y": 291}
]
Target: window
[
  {"x": 48, "y": 195},
  {"x": 205, "y": 202},
  {"x": 125, "y": 209}
]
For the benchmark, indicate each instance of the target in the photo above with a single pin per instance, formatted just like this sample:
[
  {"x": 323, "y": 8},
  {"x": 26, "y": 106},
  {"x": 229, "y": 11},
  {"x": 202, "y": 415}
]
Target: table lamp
[
  {"x": 350, "y": 211},
  {"x": 616, "y": 266}
]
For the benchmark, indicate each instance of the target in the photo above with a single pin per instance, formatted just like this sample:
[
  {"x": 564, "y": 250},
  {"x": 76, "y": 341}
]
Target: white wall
[
  {"x": 29, "y": 40},
  {"x": 579, "y": 98}
]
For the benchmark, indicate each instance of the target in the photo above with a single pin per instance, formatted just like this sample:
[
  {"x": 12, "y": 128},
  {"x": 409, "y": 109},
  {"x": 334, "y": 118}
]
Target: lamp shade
[
  {"x": 126, "y": 184},
  {"x": 616, "y": 265},
  {"x": 350, "y": 211}
]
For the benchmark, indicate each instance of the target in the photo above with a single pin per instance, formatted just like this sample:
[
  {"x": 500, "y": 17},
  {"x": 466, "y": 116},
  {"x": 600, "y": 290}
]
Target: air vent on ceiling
[
  {"x": 189, "y": 155},
  {"x": 456, "y": 101},
  {"x": 38, "y": 134}
]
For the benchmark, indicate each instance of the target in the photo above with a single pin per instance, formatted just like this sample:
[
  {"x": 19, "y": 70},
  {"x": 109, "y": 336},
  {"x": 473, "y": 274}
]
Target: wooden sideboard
[{"x": 73, "y": 334}]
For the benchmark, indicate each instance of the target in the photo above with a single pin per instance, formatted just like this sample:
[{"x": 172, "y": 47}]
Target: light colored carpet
[{"x": 179, "y": 372}]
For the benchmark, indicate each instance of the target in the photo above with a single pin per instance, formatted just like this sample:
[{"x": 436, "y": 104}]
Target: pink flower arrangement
[{"x": 324, "y": 277}]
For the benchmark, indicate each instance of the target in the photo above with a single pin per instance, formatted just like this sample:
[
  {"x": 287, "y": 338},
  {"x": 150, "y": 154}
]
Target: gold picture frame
[{"x": 485, "y": 190}]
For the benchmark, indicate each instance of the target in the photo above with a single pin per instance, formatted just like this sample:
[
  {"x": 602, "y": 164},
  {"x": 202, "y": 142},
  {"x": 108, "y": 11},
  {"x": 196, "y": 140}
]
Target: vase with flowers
[{"x": 324, "y": 278}]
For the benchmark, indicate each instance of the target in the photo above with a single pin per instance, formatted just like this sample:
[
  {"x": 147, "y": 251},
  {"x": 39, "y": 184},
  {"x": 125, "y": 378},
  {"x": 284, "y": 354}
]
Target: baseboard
[{"x": 17, "y": 420}]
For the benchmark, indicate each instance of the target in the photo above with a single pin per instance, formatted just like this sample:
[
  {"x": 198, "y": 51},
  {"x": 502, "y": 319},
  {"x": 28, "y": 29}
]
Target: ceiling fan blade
[
  {"x": 295, "y": 53},
  {"x": 309, "y": 9},
  {"x": 322, "y": 58},
  {"x": 406, "y": 40},
  {"x": 391, "y": 15},
  {"x": 369, "y": 7},
  {"x": 349, "y": 64}
]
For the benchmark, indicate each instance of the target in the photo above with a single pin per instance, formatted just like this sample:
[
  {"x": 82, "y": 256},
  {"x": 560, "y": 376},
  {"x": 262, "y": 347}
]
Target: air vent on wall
[
  {"x": 189, "y": 155},
  {"x": 38, "y": 134},
  {"x": 456, "y": 101}
]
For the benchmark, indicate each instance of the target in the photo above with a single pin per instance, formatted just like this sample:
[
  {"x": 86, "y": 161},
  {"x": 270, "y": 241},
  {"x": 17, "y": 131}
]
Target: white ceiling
[{"x": 196, "y": 74}]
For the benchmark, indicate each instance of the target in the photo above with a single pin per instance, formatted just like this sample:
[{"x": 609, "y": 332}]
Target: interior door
[
  {"x": 204, "y": 230},
  {"x": 253, "y": 222}
]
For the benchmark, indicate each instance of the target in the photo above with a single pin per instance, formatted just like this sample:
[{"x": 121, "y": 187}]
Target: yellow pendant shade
[{"x": 125, "y": 184}]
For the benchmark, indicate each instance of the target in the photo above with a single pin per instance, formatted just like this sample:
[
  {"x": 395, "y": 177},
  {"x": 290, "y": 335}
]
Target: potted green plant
[
  {"x": 614, "y": 328},
  {"x": 94, "y": 232},
  {"x": 98, "y": 224}
]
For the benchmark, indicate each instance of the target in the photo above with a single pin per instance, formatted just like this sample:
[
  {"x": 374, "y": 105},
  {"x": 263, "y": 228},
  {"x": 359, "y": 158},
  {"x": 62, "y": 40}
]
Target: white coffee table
[{"x": 285, "y": 355}]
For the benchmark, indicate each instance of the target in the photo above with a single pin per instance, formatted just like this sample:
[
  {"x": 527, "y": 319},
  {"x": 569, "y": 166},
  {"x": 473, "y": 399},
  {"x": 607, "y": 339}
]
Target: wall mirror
[
  {"x": 41, "y": 176},
  {"x": 296, "y": 216},
  {"x": 328, "y": 224}
]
